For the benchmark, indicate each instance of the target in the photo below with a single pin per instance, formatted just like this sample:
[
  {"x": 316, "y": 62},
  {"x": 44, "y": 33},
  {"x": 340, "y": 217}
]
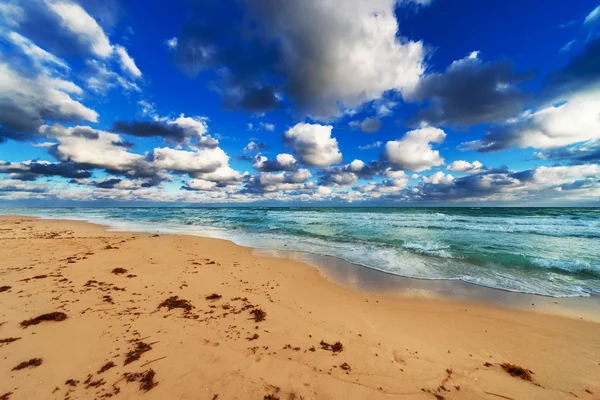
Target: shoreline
[
  {"x": 393, "y": 346},
  {"x": 368, "y": 279},
  {"x": 373, "y": 281}
]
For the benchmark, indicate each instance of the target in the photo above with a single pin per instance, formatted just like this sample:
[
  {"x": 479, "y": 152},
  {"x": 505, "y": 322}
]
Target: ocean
[{"x": 544, "y": 251}]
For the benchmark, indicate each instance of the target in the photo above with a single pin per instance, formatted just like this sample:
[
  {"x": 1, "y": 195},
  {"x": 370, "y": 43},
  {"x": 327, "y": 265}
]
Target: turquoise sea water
[{"x": 546, "y": 251}]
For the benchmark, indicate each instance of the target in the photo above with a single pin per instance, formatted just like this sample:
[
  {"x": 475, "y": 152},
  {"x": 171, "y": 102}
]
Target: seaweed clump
[
  {"x": 258, "y": 314},
  {"x": 106, "y": 367},
  {"x": 53, "y": 316},
  {"x": 136, "y": 353},
  {"x": 119, "y": 270},
  {"x": 8, "y": 340},
  {"x": 145, "y": 378},
  {"x": 517, "y": 371},
  {"x": 34, "y": 362},
  {"x": 213, "y": 296},
  {"x": 335, "y": 348},
  {"x": 176, "y": 302},
  {"x": 4, "y": 288}
]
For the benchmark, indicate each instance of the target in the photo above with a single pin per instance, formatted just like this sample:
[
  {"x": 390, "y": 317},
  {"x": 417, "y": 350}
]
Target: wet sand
[{"x": 248, "y": 326}]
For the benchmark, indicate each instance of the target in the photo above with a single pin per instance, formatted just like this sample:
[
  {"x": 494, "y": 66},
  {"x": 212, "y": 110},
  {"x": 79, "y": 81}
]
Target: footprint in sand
[
  {"x": 209, "y": 343},
  {"x": 397, "y": 357}
]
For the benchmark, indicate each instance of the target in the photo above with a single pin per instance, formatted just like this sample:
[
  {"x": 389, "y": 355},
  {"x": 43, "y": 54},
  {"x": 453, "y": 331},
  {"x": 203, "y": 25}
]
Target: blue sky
[{"x": 405, "y": 102}]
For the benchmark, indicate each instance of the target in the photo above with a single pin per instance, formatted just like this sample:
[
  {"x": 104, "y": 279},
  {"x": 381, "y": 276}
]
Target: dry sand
[{"x": 392, "y": 347}]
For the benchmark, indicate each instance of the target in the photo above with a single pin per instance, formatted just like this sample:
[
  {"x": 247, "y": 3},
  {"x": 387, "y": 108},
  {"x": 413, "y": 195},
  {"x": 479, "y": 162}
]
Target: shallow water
[{"x": 546, "y": 251}]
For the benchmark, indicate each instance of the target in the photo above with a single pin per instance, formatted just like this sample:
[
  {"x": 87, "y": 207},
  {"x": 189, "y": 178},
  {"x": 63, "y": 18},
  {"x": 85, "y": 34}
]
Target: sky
[{"x": 300, "y": 102}]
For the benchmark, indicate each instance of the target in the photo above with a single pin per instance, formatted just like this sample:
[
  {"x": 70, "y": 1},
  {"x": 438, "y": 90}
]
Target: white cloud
[
  {"x": 592, "y": 17},
  {"x": 413, "y": 152},
  {"x": 324, "y": 190},
  {"x": 101, "y": 79},
  {"x": 172, "y": 43},
  {"x": 374, "y": 145},
  {"x": 461, "y": 166},
  {"x": 439, "y": 178},
  {"x": 267, "y": 126},
  {"x": 560, "y": 175},
  {"x": 100, "y": 149},
  {"x": 28, "y": 102},
  {"x": 201, "y": 161},
  {"x": 575, "y": 121},
  {"x": 39, "y": 56},
  {"x": 127, "y": 63},
  {"x": 368, "y": 125},
  {"x": 74, "y": 18},
  {"x": 313, "y": 145},
  {"x": 339, "y": 55}
]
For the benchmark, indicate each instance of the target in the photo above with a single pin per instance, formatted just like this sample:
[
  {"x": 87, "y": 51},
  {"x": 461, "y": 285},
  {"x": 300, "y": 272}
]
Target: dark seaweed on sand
[
  {"x": 176, "y": 302},
  {"x": 53, "y": 316},
  {"x": 8, "y": 340},
  {"x": 258, "y": 314},
  {"x": 119, "y": 270},
  {"x": 145, "y": 378},
  {"x": 520, "y": 372},
  {"x": 106, "y": 367},
  {"x": 6, "y": 396},
  {"x": 336, "y": 347},
  {"x": 4, "y": 288},
  {"x": 34, "y": 362},
  {"x": 136, "y": 353},
  {"x": 213, "y": 296}
]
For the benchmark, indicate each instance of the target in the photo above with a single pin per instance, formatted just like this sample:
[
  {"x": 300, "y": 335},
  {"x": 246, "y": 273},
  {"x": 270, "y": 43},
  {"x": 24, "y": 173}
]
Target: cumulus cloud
[
  {"x": 313, "y": 145},
  {"x": 413, "y": 152},
  {"x": 347, "y": 175},
  {"x": 574, "y": 121},
  {"x": 181, "y": 130},
  {"x": 182, "y": 161},
  {"x": 470, "y": 92},
  {"x": 330, "y": 57},
  {"x": 254, "y": 147},
  {"x": 26, "y": 102},
  {"x": 368, "y": 125},
  {"x": 462, "y": 166},
  {"x": 281, "y": 181},
  {"x": 91, "y": 148},
  {"x": 282, "y": 162}
]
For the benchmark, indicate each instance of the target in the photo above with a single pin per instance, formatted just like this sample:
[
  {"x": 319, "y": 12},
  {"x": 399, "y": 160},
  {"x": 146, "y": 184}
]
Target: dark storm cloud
[
  {"x": 582, "y": 153},
  {"x": 218, "y": 40},
  {"x": 580, "y": 74},
  {"x": 109, "y": 183},
  {"x": 346, "y": 175},
  {"x": 33, "y": 170},
  {"x": 266, "y": 50},
  {"x": 150, "y": 129},
  {"x": 470, "y": 92}
]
